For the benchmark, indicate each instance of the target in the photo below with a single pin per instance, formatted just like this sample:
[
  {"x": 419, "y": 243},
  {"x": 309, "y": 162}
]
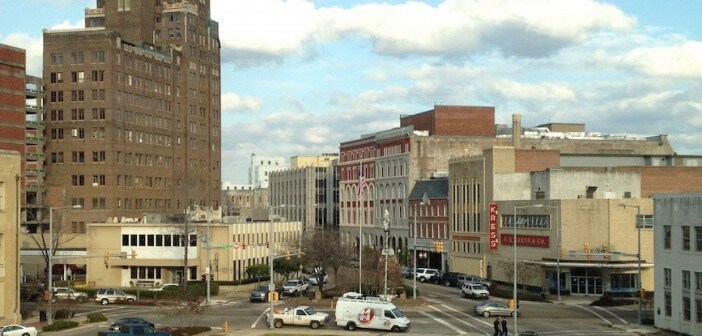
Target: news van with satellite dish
[{"x": 353, "y": 311}]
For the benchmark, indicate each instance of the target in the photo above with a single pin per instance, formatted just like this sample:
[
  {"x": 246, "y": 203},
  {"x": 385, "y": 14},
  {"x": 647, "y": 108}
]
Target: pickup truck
[
  {"x": 299, "y": 316},
  {"x": 134, "y": 330},
  {"x": 296, "y": 286}
]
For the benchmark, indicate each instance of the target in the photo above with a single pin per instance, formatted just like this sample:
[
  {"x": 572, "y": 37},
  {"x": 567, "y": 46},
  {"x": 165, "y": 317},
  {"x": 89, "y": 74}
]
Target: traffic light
[
  {"x": 133, "y": 254},
  {"x": 273, "y": 296},
  {"x": 605, "y": 251},
  {"x": 107, "y": 259}
]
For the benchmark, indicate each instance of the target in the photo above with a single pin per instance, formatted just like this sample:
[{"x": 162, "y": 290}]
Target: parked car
[
  {"x": 451, "y": 279},
  {"x": 474, "y": 290},
  {"x": 126, "y": 321},
  {"x": 165, "y": 287},
  {"x": 107, "y": 296},
  {"x": 475, "y": 278},
  {"x": 314, "y": 281},
  {"x": 407, "y": 274},
  {"x": 296, "y": 286},
  {"x": 66, "y": 293},
  {"x": 353, "y": 263},
  {"x": 17, "y": 330},
  {"x": 299, "y": 316},
  {"x": 259, "y": 294},
  {"x": 134, "y": 330},
  {"x": 424, "y": 274},
  {"x": 494, "y": 308}
]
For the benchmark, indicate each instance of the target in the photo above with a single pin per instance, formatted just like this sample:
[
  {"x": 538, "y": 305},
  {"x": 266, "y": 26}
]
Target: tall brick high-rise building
[{"x": 133, "y": 110}]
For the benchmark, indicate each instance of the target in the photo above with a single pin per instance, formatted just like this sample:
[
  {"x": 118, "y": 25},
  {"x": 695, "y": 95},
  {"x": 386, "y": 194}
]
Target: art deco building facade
[{"x": 133, "y": 110}]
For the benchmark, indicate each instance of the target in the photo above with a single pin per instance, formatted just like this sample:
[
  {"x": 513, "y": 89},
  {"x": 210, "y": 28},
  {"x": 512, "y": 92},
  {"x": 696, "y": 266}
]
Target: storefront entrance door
[{"x": 585, "y": 285}]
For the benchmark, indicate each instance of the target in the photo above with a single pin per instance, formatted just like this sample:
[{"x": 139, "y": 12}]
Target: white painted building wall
[{"x": 674, "y": 261}]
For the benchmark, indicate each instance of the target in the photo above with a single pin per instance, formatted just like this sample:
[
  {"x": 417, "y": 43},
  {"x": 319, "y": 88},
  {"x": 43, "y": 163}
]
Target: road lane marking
[
  {"x": 596, "y": 314},
  {"x": 610, "y": 313},
  {"x": 260, "y": 317},
  {"x": 449, "y": 325},
  {"x": 470, "y": 316},
  {"x": 459, "y": 320}
]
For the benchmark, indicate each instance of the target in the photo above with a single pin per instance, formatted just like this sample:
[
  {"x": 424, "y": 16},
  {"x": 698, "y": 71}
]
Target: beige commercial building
[
  {"x": 10, "y": 173},
  {"x": 579, "y": 220},
  {"x": 152, "y": 253}
]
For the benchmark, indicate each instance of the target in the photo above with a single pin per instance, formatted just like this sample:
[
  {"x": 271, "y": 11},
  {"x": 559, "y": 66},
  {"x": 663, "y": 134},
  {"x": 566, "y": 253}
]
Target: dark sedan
[
  {"x": 259, "y": 294},
  {"x": 126, "y": 321}
]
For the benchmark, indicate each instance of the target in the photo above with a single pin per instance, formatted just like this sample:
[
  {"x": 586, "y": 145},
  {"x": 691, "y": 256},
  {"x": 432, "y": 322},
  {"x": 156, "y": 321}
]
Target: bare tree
[
  {"x": 322, "y": 250},
  {"x": 525, "y": 273},
  {"x": 62, "y": 235}
]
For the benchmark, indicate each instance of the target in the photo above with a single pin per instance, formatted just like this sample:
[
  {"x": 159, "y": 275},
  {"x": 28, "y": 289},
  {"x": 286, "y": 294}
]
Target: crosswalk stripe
[{"x": 449, "y": 325}]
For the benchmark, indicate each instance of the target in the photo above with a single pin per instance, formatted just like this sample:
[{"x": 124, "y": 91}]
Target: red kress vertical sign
[{"x": 493, "y": 226}]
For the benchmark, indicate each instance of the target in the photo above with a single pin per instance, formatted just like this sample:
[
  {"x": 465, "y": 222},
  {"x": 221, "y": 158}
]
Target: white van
[{"x": 371, "y": 313}]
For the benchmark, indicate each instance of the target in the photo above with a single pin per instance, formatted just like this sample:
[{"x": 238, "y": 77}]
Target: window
[
  {"x": 77, "y": 114},
  {"x": 123, "y": 5},
  {"x": 686, "y": 280},
  {"x": 77, "y": 95},
  {"x": 78, "y": 133},
  {"x": 77, "y": 180},
  {"x": 685, "y": 238},
  {"x": 56, "y": 77},
  {"x": 99, "y": 203},
  {"x": 56, "y": 115},
  {"x": 2, "y": 198},
  {"x": 57, "y": 157},
  {"x": 644, "y": 221},
  {"x": 77, "y": 77},
  {"x": 527, "y": 221},
  {"x": 698, "y": 282},
  {"x": 698, "y": 239},
  {"x": 99, "y": 156},
  {"x": 668, "y": 305},
  {"x": 98, "y": 180},
  {"x": 56, "y": 59},
  {"x": 77, "y": 57},
  {"x": 99, "y": 113},
  {"x": 78, "y": 157},
  {"x": 698, "y": 309},
  {"x": 686, "y": 308},
  {"x": 98, "y": 75},
  {"x": 667, "y": 277},
  {"x": 57, "y": 133},
  {"x": 78, "y": 201},
  {"x": 666, "y": 237},
  {"x": 56, "y": 96},
  {"x": 98, "y": 56},
  {"x": 77, "y": 227}
]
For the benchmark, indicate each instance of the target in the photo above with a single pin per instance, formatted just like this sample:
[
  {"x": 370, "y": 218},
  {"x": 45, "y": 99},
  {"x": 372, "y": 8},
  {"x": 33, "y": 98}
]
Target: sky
[{"x": 299, "y": 77}]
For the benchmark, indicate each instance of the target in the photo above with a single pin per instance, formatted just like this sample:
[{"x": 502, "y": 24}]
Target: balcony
[
  {"x": 33, "y": 156},
  {"x": 33, "y": 108},
  {"x": 35, "y": 172},
  {"x": 33, "y": 124}
]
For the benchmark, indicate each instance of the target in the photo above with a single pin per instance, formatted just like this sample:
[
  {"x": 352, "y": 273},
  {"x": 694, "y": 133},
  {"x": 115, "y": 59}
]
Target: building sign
[
  {"x": 493, "y": 226},
  {"x": 526, "y": 240}
]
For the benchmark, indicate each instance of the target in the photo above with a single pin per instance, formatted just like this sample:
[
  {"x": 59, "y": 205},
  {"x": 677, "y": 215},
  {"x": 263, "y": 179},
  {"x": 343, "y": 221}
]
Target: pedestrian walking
[
  {"x": 504, "y": 327},
  {"x": 497, "y": 326}
]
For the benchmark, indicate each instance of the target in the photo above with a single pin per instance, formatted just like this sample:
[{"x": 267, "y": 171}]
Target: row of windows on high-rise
[
  {"x": 77, "y": 77},
  {"x": 686, "y": 237},
  {"x": 77, "y": 57},
  {"x": 56, "y": 96},
  {"x": 78, "y": 114}
]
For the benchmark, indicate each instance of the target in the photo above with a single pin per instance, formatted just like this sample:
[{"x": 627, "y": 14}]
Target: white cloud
[
  {"x": 677, "y": 61},
  {"x": 273, "y": 29},
  {"x": 232, "y": 102},
  {"x": 33, "y": 49},
  {"x": 68, "y": 25}
]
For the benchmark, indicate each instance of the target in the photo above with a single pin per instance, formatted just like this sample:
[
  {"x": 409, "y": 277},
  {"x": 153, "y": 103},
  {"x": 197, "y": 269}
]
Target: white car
[
  {"x": 424, "y": 274},
  {"x": 17, "y": 330},
  {"x": 165, "y": 287},
  {"x": 66, "y": 293}
]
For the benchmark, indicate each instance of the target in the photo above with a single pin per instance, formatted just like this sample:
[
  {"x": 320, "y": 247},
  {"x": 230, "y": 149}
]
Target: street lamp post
[
  {"x": 51, "y": 254},
  {"x": 638, "y": 256},
  {"x": 514, "y": 271},
  {"x": 271, "y": 248},
  {"x": 386, "y": 228},
  {"x": 208, "y": 270},
  {"x": 425, "y": 201}
]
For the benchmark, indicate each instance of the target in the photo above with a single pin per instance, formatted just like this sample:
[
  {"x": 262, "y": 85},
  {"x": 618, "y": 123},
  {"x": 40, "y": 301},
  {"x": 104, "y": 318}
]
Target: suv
[
  {"x": 474, "y": 290},
  {"x": 424, "y": 274},
  {"x": 477, "y": 279},
  {"x": 450, "y": 279},
  {"x": 66, "y": 293},
  {"x": 106, "y": 296}
]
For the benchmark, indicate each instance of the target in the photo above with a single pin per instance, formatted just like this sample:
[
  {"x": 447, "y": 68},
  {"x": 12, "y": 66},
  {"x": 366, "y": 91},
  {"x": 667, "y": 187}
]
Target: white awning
[{"x": 551, "y": 263}]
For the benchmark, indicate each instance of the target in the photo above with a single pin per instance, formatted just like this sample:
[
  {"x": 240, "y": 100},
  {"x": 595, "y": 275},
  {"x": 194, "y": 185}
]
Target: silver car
[{"x": 493, "y": 308}]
